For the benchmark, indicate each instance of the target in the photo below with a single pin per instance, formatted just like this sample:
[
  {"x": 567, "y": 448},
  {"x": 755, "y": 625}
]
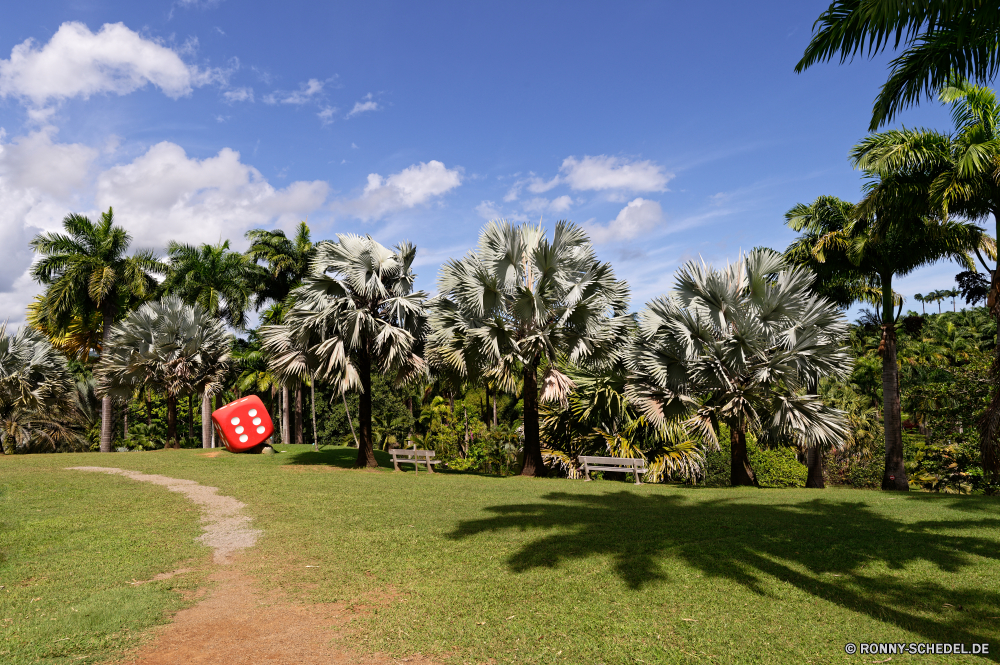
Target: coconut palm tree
[
  {"x": 942, "y": 40},
  {"x": 740, "y": 347},
  {"x": 923, "y": 303},
  {"x": 169, "y": 346},
  {"x": 37, "y": 406},
  {"x": 287, "y": 261},
  {"x": 219, "y": 281},
  {"x": 521, "y": 299},
  {"x": 356, "y": 312},
  {"x": 87, "y": 272}
]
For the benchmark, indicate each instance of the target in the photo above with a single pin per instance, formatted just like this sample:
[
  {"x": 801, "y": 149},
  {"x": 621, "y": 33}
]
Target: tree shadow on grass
[
  {"x": 339, "y": 456},
  {"x": 822, "y": 547}
]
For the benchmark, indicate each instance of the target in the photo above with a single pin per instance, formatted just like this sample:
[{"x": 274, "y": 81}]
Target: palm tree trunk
[
  {"x": 286, "y": 421},
  {"x": 989, "y": 421},
  {"x": 299, "y": 433},
  {"x": 172, "y": 419},
  {"x": 312, "y": 406},
  {"x": 206, "y": 420},
  {"x": 814, "y": 461},
  {"x": 149, "y": 408},
  {"x": 191, "y": 416},
  {"x": 533, "y": 464},
  {"x": 740, "y": 472},
  {"x": 107, "y": 412},
  {"x": 894, "y": 477},
  {"x": 494, "y": 410},
  {"x": 350, "y": 421},
  {"x": 366, "y": 454}
]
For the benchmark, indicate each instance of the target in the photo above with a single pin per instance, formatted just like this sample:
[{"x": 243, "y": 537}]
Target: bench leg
[
  {"x": 430, "y": 467},
  {"x": 586, "y": 473},
  {"x": 636, "y": 470},
  {"x": 395, "y": 464}
]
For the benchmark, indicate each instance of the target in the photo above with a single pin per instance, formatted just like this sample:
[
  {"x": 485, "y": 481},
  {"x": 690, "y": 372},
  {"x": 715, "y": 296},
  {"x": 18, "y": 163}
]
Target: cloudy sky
[{"x": 670, "y": 130}]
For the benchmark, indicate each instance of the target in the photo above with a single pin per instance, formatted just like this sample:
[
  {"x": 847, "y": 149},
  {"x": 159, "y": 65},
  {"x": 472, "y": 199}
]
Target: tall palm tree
[
  {"x": 942, "y": 39},
  {"x": 37, "y": 406},
  {"x": 287, "y": 262},
  {"x": 837, "y": 277},
  {"x": 923, "y": 302},
  {"x": 219, "y": 281},
  {"x": 169, "y": 346},
  {"x": 521, "y": 299},
  {"x": 739, "y": 347},
  {"x": 356, "y": 312},
  {"x": 89, "y": 278}
]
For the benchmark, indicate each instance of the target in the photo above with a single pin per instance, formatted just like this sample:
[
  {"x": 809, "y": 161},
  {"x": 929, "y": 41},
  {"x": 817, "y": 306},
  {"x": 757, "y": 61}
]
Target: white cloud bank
[
  {"x": 597, "y": 173},
  {"x": 161, "y": 195},
  {"x": 639, "y": 217},
  {"x": 79, "y": 63},
  {"x": 413, "y": 186}
]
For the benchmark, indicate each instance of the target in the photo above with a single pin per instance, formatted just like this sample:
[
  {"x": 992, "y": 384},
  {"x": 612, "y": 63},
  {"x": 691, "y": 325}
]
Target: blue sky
[{"x": 670, "y": 130}]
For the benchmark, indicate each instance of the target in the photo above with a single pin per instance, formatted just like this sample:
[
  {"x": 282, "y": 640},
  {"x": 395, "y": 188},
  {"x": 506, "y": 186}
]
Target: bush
[{"x": 778, "y": 467}]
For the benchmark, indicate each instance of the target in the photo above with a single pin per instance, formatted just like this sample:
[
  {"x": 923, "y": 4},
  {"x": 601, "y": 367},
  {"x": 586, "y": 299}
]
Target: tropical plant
[
  {"x": 169, "y": 346},
  {"x": 521, "y": 299},
  {"x": 923, "y": 302},
  {"x": 364, "y": 315},
  {"x": 90, "y": 278},
  {"x": 942, "y": 39},
  {"x": 899, "y": 226},
  {"x": 37, "y": 406},
  {"x": 739, "y": 347},
  {"x": 972, "y": 286}
]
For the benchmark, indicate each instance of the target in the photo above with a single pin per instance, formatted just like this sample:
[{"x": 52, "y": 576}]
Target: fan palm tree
[
  {"x": 169, "y": 346},
  {"x": 942, "y": 39},
  {"x": 37, "y": 407},
  {"x": 90, "y": 278},
  {"x": 522, "y": 299},
  {"x": 356, "y": 312},
  {"x": 287, "y": 262},
  {"x": 740, "y": 347},
  {"x": 219, "y": 281}
]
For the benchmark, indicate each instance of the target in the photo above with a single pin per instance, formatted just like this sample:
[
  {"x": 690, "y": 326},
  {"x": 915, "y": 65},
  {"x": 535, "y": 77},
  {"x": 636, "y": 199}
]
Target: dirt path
[{"x": 235, "y": 623}]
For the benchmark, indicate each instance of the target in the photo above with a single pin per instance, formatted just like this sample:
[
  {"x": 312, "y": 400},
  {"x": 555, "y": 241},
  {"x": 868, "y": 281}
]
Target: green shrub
[{"x": 777, "y": 467}]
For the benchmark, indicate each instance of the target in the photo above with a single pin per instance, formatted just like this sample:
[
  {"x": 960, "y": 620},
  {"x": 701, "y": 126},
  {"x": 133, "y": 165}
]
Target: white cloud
[
  {"x": 539, "y": 186},
  {"x": 306, "y": 93},
  {"x": 606, "y": 172},
  {"x": 488, "y": 210},
  {"x": 244, "y": 94},
  {"x": 413, "y": 186},
  {"x": 639, "y": 217},
  {"x": 79, "y": 63},
  {"x": 368, "y": 104},
  {"x": 326, "y": 114},
  {"x": 542, "y": 204}
]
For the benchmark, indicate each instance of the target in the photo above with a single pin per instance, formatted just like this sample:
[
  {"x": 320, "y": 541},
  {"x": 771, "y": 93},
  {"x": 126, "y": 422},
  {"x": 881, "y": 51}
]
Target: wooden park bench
[
  {"x": 613, "y": 464},
  {"x": 414, "y": 457}
]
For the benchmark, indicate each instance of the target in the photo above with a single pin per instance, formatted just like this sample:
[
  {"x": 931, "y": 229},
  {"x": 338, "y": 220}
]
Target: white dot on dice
[
  {"x": 239, "y": 430},
  {"x": 260, "y": 430},
  {"x": 235, "y": 421},
  {"x": 252, "y": 412},
  {"x": 243, "y": 439},
  {"x": 256, "y": 421}
]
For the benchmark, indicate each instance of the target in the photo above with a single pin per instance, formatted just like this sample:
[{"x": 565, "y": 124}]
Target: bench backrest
[
  {"x": 623, "y": 461},
  {"x": 410, "y": 452}
]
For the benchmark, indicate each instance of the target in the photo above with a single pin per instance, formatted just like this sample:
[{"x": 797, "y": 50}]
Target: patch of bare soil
[{"x": 237, "y": 624}]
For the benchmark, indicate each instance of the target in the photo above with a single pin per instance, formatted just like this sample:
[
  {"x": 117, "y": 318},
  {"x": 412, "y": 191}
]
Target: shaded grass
[{"x": 470, "y": 568}]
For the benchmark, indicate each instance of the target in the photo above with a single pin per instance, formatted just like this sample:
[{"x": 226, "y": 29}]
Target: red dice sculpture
[{"x": 243, "y": 424}]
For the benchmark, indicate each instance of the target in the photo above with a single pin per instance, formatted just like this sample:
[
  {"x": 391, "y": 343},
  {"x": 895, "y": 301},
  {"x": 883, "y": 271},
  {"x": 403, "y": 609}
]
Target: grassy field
[{"x": 473, "y": 567}]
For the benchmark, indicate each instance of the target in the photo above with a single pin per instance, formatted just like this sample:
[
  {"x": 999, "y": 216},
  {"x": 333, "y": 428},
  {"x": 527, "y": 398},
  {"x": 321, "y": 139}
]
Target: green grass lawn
[{"x": 468, "y": 567}]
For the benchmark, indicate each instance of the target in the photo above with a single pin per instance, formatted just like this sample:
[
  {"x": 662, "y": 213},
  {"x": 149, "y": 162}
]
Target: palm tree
[
  {"x": 739, "y": 347},
  {"x": 942, "y": 39},
  {"x": 166, "y": 345},
  {"x": 837, "y": 277},
  {"x": 923, "y": 303},
  {"x": 522, "y": 299},
  {"x": 219, "y": 281},
  {"x": 89, "y": 278},
  {"x": 364, "y": 314},
  {"x": 37, "y": 406},
  {"x": 287, "y": 263}
]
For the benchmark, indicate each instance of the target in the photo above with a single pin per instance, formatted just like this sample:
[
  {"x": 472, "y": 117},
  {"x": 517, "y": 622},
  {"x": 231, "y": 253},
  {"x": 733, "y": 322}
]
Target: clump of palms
[
  {"x": 356, "y": 313},
  {"x": 167, "y": 346},
  {"x": 37, "y": 394},
  {"x": 740, "y": 347},
  {"x": 90, "y": 280},
  {"x": 521, "y": 299}
]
